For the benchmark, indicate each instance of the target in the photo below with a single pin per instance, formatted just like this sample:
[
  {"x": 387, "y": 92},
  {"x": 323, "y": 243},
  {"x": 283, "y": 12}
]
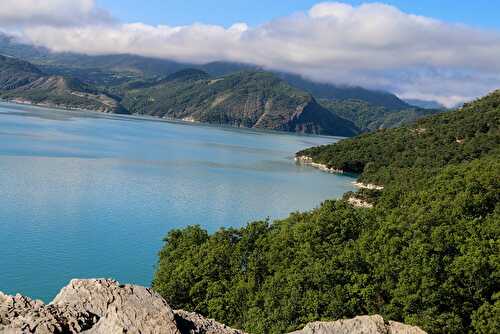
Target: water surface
[{"x": 90, "y": 195}]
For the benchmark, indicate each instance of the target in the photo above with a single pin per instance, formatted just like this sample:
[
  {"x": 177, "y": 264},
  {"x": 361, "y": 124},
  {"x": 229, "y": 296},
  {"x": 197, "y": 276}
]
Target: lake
[{"x": 85, "y": 195}]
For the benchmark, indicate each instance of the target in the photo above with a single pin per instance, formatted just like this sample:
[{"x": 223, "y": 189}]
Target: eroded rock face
[
  {"x": 101, "y": 307},
  {"x": 374, "y": 324},
  {"x": 19, "y": 314}
]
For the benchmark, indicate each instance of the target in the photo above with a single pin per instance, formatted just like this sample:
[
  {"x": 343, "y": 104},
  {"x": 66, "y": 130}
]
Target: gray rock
[
  {"x": 374, "y": 324},
  {"x": 19, "y": 314},
  {"x": 193, "y": 323},
  {"x": 101, "y": 306},
  {"x": 121, "y": 308}
]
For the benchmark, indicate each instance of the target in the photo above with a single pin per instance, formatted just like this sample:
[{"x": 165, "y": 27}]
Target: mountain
[
  {"x": 421, "y": 248},
  {"x": 425, "y": 104},
  {"x": 369, "y": 117},
  {"x": 23, "y": 82},
  {"x": 114, "y": 69},
  {"x": 338, "y": 92},
  {"x": 253, "y": 99}
]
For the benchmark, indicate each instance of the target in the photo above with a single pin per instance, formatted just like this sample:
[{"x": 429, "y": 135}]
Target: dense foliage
[
  {"x": 430, "y": 143},
  {"x": 370, "y": 117},
  {"x": 427, "y": 254}
]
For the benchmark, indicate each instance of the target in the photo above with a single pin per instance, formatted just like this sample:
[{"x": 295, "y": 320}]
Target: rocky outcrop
[
  {"x": 101, "y": 306},
  {"x": 374, "y": 324},
  {"x": 193, "y": 323}
]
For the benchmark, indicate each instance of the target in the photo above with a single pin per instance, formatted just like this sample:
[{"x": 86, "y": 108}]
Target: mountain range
[{"x": 233, "y": 94}]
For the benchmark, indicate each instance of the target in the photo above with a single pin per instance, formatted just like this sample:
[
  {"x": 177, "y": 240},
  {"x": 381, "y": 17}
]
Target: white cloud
[
  {"x": 373, "y": 45},
  {"x": 18, "y": 13}
]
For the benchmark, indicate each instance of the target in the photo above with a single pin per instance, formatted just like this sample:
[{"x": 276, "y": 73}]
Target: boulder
[
  {"x": 374, "y": 324},
  {"x": 193, "y": 323}
]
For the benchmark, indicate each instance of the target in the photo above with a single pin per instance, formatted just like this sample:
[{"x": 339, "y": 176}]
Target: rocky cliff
[{"x": 106, "y": 307}]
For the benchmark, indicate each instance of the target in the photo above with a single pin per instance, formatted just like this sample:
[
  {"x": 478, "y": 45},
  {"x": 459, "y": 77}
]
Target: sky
[
  {"x": 447, "y": 51},
  {"x": 479, "y": 13}
]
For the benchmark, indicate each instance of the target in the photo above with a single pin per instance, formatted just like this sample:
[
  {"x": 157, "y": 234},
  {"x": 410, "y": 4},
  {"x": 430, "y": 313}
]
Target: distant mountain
[
  {"x": 369, "y": 117},
  {"x": 425, "y": 104},
  {"x": 336, "y": 92},
  {"x": 119, "y": 68},
  {"x": 23, "y": 82},
  {"x": 253, "y": 99}
]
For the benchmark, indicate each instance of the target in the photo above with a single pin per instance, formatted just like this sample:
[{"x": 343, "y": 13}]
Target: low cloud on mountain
[{"x": 372, "y": 45}]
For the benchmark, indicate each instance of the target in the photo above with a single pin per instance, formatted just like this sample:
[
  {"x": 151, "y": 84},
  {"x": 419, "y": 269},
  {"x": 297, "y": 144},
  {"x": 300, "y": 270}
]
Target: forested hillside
[
  {"x": 427, "y": 253},
  {"x": 430, "y": 143},
  {"x": 370, "y": 117},
  {"x": 251, "y": 99}
]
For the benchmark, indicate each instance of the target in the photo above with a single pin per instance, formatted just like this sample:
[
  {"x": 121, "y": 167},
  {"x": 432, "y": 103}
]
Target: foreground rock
[
  {"x": 107, "y": 307},
  {"x": 101, "y": 307},
  {"x": 374, "y": 324}
]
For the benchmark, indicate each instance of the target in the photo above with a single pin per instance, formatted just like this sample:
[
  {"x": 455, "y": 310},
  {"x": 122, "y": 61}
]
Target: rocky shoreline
[
  {"x": 305, "y": 160},
  {"x": 104, "y": 306}
]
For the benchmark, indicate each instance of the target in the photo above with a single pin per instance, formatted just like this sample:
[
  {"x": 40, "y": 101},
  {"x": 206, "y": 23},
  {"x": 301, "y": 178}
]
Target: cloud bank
[{"x": 372, "y": 45}]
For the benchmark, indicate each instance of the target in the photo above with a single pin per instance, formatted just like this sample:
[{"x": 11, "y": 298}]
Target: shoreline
[
  {"x": 305, "y": 160},
  {"x": 183, "y": 121}
]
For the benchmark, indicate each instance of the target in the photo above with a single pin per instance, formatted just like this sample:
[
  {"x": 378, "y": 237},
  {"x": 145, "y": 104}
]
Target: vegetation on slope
[
  {"x": 430, "y": 143},
  {"x": 369, "y": 117},
  {"x": 245, "y": 99},
  {"x": 339, "y": 92},
  {"x": 428, "y": 253},
  {"x": 22, "y": 81}
]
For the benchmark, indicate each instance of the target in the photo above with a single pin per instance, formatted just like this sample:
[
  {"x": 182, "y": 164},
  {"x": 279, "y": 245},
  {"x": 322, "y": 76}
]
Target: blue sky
[{"x": 479, "y": 13}]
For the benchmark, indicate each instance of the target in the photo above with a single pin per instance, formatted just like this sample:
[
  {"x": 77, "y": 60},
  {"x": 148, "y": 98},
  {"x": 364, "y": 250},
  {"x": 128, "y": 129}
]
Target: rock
[
  {"x": 374, "y": 324},
  {"x": 121, "y": 308},
  {"x": 20, "y": 314},
  {"x": 193, "y": 323},
  {"x": 100, "y": 306}
]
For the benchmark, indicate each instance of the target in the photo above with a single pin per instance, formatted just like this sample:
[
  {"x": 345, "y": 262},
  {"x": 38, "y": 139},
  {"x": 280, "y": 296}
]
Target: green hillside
[
  {"x": 370, "y": 117},
  {"x": 427, "y": 253},
  {"x": 251, "y": 99},
  {"x": 23, "y": 82},
  {"x": 430, "y": 143}
]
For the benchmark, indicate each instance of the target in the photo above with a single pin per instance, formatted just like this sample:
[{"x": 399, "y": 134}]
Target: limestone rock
[
  {"x": 193, "y": 323},
  {"x": 121, "y": 308},
  {"x": 101, "y": 306},
  {"x": 374, "y": 324},
  {"x": 20, "y": 314}
]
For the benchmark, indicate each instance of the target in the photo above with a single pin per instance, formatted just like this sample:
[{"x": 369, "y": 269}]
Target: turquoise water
[{"x": 89, "y": 195}]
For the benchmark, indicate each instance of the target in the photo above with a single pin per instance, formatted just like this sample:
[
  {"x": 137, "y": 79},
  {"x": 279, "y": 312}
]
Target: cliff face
[{"x": 107, "y": 307}]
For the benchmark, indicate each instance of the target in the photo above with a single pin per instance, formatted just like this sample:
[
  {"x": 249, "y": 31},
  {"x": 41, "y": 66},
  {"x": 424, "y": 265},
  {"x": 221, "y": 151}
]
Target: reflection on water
[{"x": 92, "y": 195}]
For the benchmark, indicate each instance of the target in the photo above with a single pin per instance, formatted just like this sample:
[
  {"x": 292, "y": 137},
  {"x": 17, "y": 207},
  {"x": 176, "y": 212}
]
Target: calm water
[{"x": 86, "y": 195}]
